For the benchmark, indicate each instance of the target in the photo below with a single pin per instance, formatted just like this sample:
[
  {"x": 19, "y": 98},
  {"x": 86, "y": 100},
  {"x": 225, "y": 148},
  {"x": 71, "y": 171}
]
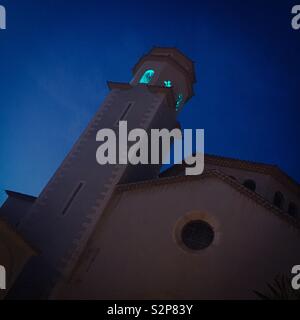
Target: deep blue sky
[{"x": 56, "y": 56}]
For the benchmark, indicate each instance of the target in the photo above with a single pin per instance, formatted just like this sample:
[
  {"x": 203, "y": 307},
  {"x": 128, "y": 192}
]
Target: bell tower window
[
  {"x": 147, "y": 76},
  {"x": 179, "y": 100}
]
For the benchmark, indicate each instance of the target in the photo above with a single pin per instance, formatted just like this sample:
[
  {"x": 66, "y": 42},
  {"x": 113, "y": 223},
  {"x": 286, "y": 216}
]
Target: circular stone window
[{"x": 197, "y": 235}]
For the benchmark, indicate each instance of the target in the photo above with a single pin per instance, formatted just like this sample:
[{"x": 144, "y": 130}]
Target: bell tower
[
  {"x": 167, "y": 68},
  {"x": 66, "y": 211}
]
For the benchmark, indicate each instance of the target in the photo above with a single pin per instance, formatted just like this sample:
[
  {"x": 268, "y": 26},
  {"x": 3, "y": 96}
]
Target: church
[{"x": 128, "y": 231}]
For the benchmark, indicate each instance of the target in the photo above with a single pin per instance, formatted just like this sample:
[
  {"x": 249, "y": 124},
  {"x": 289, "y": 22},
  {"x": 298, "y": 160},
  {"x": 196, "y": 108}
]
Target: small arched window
[
  {"x": 250, "y": 184},
  {"x": 147, "y": 76},
  {"x": 292, "y": 210},
  {"x": 278, "y": 199}
]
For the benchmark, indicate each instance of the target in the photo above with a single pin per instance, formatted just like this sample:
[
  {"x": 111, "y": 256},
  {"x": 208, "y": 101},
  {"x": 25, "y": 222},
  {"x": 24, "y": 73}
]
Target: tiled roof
[{"x": 263, "y": 168}]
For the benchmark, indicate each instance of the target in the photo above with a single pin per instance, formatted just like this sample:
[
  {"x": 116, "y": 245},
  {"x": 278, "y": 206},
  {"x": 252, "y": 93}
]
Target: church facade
[{"x": 129, "y": 232}]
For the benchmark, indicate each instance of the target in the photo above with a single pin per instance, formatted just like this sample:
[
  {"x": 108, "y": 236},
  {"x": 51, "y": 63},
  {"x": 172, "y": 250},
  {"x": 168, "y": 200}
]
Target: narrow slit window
[
  {"x": 74, "y": 194},
  {"x": 125, "y": 112}
]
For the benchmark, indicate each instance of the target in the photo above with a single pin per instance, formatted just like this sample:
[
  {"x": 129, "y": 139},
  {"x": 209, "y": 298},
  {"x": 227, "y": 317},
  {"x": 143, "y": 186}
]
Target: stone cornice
[
  {"x": 217, "y": 174},
  {"x": 263, "y": 168}
]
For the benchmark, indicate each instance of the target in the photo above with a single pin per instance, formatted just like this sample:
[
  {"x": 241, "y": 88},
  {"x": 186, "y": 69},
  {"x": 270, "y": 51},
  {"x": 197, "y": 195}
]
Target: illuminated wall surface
[{"x": 14, "y": 253}]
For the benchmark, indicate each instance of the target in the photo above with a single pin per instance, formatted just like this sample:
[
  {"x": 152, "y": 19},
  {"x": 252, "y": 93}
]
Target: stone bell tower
[{"x": 65, "y": 213}]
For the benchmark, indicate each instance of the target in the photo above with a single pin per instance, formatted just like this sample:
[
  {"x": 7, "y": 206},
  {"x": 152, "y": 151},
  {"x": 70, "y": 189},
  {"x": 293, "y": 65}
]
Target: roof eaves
[
  {"x": 214, "y": 173},
  {"x": 18, "y": 195}
]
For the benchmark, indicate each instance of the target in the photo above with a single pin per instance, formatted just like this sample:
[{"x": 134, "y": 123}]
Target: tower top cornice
[{"x": 169, "y": 53}]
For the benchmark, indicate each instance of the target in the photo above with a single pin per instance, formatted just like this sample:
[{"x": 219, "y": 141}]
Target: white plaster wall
[{"x": 133, "y": 252}]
